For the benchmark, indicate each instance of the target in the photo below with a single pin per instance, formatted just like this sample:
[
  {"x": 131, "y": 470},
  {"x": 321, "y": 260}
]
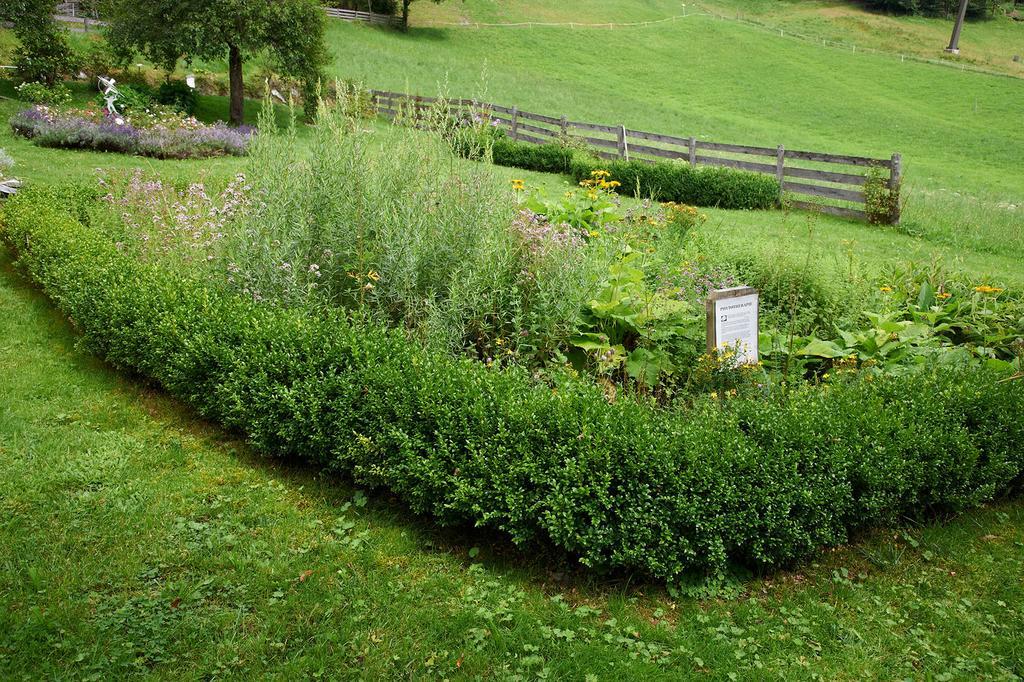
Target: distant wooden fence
[
  {"x": 831, "y": 183},
  {"x": 74, "y": 17},
  {"x": 368, "y": 17}
]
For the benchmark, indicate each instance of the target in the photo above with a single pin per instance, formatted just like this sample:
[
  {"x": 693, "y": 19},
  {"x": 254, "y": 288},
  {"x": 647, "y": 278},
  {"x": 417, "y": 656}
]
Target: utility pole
[{"x": 954, "y": 41}]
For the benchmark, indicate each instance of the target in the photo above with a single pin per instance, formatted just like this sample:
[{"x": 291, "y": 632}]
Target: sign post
[{"x": 733, "y": 322}]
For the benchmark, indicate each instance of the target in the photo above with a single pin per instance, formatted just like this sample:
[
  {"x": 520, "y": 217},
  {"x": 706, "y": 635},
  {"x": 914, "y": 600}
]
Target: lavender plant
[{"x": 159, "y": 134}]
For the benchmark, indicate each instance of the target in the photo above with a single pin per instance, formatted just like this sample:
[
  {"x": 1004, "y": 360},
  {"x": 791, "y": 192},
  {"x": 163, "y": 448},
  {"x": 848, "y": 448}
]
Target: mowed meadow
[{"x": 958, "y": 131}]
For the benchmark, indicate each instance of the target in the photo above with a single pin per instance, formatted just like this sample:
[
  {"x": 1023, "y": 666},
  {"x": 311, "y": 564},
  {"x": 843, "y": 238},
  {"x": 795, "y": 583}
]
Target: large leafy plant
[
  {"x": 628, "y": 330},
  {"x": 589, "y": 208}
]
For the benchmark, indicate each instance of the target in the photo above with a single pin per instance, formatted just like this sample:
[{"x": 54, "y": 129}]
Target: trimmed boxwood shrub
[
  {"x": 662, "y": 181},
  {"x": 547, "y": 158},
  {"x": 680, "y": 182},
  {"x": 472, "y": 143},
  {"x": 623, "y": 485}
]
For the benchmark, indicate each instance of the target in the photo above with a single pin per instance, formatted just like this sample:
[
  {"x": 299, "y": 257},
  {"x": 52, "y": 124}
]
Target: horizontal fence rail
[
  {"x": 74, "y": 17},
  {"x": 368, "y": 17},
  {"x": 819, "y": 181}
]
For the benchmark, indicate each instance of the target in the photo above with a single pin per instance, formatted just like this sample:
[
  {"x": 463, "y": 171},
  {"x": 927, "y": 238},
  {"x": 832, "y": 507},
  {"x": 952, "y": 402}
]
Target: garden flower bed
[
  {"x": 160, "y": 134},
  {"x": 500, "y": 357},
  {"x": 758, "y": 481}
]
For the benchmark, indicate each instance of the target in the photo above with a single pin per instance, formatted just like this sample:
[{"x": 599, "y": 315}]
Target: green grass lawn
[
  {"x": 959, "y": 133},
  {"x": 136, "y": 540},
  {"x": 989, "y": 44},
  {"x": 720, "y": 81}
]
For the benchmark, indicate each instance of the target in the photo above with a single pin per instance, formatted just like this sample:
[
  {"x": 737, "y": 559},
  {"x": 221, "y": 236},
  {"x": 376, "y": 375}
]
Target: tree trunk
[
  {"x": 237, "y": 110},
  {"x": 405, "y": 14}
]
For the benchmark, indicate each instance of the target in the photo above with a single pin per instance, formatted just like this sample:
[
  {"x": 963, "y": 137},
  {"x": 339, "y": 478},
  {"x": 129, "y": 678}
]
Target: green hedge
[
  {"x": 662, "y": 181},
  {"x": 680, "y": 182},
  {"x": 547, "y": 158},
  {"x": 624, "y": 485}
]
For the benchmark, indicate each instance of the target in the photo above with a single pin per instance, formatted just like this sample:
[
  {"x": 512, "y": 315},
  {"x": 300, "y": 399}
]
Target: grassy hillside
[
  {"x": 718, "y": 80},
  {"x": 987, "y": 44}
]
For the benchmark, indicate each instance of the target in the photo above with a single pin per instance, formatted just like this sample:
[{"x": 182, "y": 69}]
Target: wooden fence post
[
  {"x": 514, "y": 130},
  {"x": 565, "y": 126},
  {"x": 895, "y": 179},
  {"x": 693, "y": 151},
  {"x": 623, "y": 152},
  {"x": 780, "y": 164}
]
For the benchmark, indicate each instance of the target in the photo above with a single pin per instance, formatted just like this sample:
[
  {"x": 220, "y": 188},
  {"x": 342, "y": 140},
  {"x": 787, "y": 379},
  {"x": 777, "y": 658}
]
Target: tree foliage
[
  {"x": 43, "y": 54},
  {"x": 935, "y": 8},
  {"x": 291, "y": 32}
]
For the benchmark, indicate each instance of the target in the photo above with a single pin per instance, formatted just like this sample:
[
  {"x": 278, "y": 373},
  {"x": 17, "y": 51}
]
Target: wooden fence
[
  {"x": 368, "y": 17},
  {"x": 830, "y": 183},
  {"x": 74, "y": 17}
]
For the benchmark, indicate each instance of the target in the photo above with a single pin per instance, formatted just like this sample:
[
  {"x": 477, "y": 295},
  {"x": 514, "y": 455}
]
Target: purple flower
[{"x": 76, "y": 129}]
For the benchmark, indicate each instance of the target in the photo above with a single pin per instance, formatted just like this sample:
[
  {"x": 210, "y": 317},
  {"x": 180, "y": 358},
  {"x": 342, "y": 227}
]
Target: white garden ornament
[
  {"x": 110, "y": 96},
  {"x": 8, "y": 186}
]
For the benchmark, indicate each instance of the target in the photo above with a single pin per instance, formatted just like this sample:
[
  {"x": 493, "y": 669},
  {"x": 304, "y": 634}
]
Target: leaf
[
  {"x": 822, "y": 349},
  {"x": 590, "y": 341},
  {"x": 926, "y": 297},
  {"x": 999, "y": 365},
  {"x": 474, "y": 552},
  {"x": 645, "y": 365}
]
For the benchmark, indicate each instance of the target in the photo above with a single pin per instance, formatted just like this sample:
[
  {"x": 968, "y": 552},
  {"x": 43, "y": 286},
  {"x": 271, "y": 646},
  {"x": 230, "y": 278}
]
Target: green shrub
[
  {"x": 679, "y": 182},
  {"x": 178, "y": 94},
  {"x": 55, "y": 95},
  {"x": 623, "y": 485},
  {"x": 95, "y": 57},
  {"x": 547, "y": 158},
  {"x": 43, "y": 54},
  {"x": 130, "y": 98}
]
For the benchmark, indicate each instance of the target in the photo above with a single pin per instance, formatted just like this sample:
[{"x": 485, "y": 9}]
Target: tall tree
[
  {"x": 43, "y": 53},
  {"x": 405, "y": 13},
  {"x": 291, "y": 32}
]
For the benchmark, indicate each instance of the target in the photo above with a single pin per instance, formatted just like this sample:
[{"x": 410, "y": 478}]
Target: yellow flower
[
  {"x": 986, "y": 289},
  {"x": 886, "y": 289},
  {"x": 943, "y": 295},
  {"x": 372, "y": 274},
  {"x": 714, "y": 395}
]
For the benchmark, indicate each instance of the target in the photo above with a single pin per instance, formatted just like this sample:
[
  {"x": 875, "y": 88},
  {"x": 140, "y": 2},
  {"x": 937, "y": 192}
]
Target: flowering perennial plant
[
  {"x": 541, "y": 237},
  {"x": 159, "y": 132},
  {"x": 161, "y": 223}
]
